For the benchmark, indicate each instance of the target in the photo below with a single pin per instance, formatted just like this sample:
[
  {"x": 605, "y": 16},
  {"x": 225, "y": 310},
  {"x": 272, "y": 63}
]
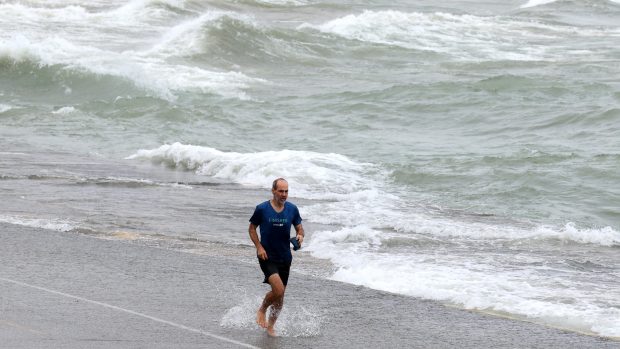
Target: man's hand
[
  {"x": 300, "y": 238},
  {"x": 261, "y": 253},
  {"x": 299, "y": 229},
  {"x": 260, "y": 250}
]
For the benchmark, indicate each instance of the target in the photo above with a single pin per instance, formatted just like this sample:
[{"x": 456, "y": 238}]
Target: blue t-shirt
[{"x": 275, "y": 229}]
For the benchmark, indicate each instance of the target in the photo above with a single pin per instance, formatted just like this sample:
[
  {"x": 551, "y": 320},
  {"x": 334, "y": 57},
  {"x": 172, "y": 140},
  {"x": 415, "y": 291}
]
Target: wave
[
  {"x": 464, "y": 37},
  {"x": 463, "y": 168},
  {"x": 606, "y": 236},
  {"x": 148, "y": 8},
  {"x": 387, "y": 216},
  {"x": 472, "y": 283},
  {"x": 232, "y": 39},
  {"x": 5, "y": 108},
  {"x": 128, "y": 182},
  {"x": 533, "y": 3},
  {"x": 191, "y": 37},
  {"x": 148, "y": 73},
  {"x": 276, "y": 3},
  {"x": 353, "y": 194},
  {"x": 112, "y": 181},
  {"x": 64, "y": 110},
  {"x": 43, "y": 223},
  {"x": 122, "y": 42},
  {"x": 133, "y": 13},
  {"x": 314, "y": 175}
]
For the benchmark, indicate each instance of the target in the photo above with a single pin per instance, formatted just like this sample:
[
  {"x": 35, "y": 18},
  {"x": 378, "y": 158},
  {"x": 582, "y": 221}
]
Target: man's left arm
[{"x": 299, "y": 229}]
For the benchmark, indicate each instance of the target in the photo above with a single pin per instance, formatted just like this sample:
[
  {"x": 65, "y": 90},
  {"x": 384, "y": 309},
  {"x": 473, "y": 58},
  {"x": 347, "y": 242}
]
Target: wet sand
[{"x": 75, "y": 291}]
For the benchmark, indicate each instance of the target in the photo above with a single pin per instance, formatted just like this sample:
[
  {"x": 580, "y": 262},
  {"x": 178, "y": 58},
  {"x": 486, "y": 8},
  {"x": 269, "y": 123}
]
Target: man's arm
[
  {"x": 300, "y": 233},
  {"x": 260, "y": 250}
]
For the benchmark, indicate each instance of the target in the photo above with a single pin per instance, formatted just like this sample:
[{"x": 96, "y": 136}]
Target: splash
[{"x": 294, "y": 320}]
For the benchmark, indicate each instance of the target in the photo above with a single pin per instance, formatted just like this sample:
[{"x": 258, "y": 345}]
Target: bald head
[
  {"x": 280, "y": 191},
  {"x": 277, "y": 181}
]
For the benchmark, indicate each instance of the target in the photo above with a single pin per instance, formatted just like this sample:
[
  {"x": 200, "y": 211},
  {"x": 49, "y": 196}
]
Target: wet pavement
[{"x": 62, "y": 289}]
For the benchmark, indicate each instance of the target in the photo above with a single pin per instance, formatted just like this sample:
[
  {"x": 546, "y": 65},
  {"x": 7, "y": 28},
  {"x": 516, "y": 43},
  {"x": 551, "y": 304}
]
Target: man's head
[{"x": 279, "y": 188}]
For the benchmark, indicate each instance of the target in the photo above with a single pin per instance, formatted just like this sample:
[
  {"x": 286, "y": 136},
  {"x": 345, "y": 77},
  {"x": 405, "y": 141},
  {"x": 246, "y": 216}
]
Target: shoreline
[
  {"x": 136, "y": 238},
  {"x": 198, "y": 292}
]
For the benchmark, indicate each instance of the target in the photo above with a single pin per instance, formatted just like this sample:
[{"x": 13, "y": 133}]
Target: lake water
[{"x": 461, "y": 151}]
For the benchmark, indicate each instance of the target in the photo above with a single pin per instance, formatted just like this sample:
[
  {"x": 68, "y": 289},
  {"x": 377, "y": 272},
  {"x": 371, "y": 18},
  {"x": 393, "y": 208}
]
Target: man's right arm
[{"x": 260, "y": 250}]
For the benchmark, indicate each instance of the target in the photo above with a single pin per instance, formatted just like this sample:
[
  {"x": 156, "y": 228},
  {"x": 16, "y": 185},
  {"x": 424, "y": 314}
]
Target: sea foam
[
  {"x": 464, "y": 37},
  {"x": 149, "y": 73},
  {"x": 64, "y": 111},
  {"x": 44, "y": 223},
  {"x": 533, "y": 3},
  {"x": 145, "y": 9},
  {"x": 133, "y": 52},
  {"x": 354, "y": 194},
  {"x": 284, "y": 2},
  {"x": 314, "y": 175},
  {"x": 474, "y": 283},
  {"x": 4, "y": 108}
]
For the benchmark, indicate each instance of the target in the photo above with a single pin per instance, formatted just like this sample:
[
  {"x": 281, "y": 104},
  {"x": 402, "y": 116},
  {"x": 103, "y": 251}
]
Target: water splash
[{"x": 294, "y": 321}]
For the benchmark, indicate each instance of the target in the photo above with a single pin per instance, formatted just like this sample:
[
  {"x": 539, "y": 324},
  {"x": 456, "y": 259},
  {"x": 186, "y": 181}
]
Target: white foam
[
  {"x": 371, "y": 228},
  {"x": 382, "y": 211},
  {"x": 466, "y": 37},
  {"x": 64, "y": 110},
  {"x": 355, "y": 193},
  {"x": 130, "y": 14},
  {"x": 144, "y": 9},
  {"x": 149, "y": 73},
  {"x": 44, "y": 223},
  {"x": 137, "y": 49},
  {"x": 533, "y": 3},
  {"x": 187, "y": 37},
  {"x": 314, "y": 175},
  {"x": 606, "y": 236},
  {"x": 190, "y": 36},
  {"x": 284, "y": 2},
  {"x": 368, "y": 221},
  {"x": 5, "y": 107},
  {"x": 31, "y": 14},
  {"x": 465, "y": 281}
]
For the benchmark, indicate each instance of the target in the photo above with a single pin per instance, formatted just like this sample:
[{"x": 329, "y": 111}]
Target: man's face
[{"x": 280, "y": 194}]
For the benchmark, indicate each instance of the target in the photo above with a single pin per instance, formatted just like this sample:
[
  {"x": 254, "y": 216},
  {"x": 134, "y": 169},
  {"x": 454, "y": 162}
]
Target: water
[{"x": 467, "y": 152}]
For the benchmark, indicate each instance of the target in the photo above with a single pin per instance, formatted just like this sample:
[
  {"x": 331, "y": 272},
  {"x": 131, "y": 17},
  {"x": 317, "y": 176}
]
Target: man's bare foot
[
  {"x": 261, "y": 318},
  {"x": 271, "y": 331}
]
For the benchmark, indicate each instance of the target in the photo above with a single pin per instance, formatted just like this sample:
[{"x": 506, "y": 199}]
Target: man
[{"x": 274, "y": 217}]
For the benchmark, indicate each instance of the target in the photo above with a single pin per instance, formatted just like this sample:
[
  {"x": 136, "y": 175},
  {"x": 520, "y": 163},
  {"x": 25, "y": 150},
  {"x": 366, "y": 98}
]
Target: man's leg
[{"x": 275, "y": 299}]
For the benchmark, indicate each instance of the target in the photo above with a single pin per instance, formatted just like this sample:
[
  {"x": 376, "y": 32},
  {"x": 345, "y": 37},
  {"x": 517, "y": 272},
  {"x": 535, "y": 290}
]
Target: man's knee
[
  {"x": 278, "y": 292},
  {"x": 277, "y": 287}
]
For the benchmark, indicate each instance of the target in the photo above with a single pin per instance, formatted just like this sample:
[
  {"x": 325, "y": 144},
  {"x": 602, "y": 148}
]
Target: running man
[{"x": 274, "y": 217}]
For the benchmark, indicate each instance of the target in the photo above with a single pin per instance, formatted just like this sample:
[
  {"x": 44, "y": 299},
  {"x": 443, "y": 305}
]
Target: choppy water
[{"x": 467, "y": 152}]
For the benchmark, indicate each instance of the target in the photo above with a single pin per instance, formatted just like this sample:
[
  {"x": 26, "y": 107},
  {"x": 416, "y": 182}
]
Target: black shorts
[{"x": 270, "y": 267}]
